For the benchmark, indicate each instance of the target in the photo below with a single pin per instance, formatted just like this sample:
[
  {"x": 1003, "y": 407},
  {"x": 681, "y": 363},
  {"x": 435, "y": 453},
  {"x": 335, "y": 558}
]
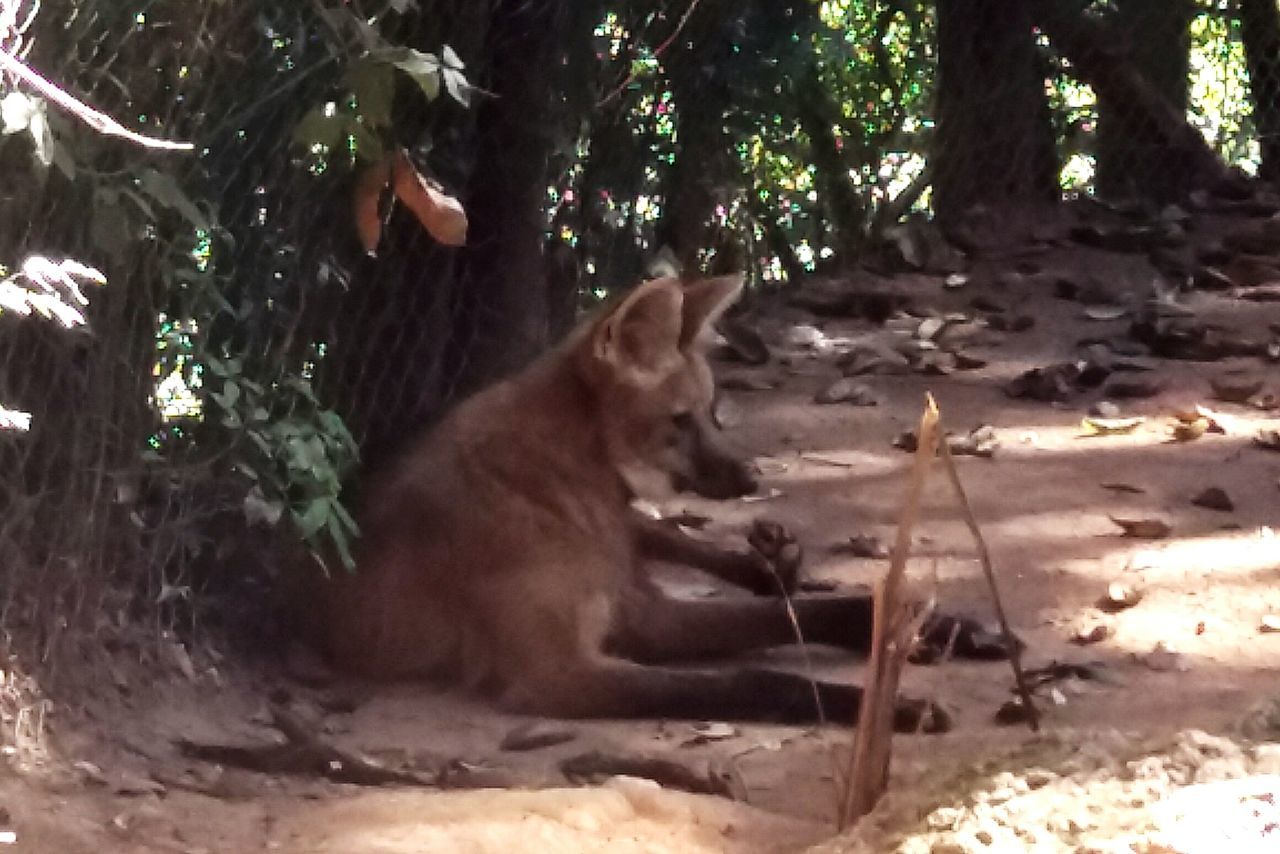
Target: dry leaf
[
  {"x": 1105, "y": 312},
  {"x": 1094, "y": 426},
  {"x": 1146, "y": 529},
  {"x": 440, "y": 214},
  {"x": 1188, "y": 431},
  {"x": 366, "y": 200},
  {"x": 1116, "y": 486}
]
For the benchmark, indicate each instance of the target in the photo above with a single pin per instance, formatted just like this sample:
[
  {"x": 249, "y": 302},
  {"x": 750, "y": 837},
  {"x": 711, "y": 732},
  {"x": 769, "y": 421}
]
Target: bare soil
[{"x": 1044, "y": 504}]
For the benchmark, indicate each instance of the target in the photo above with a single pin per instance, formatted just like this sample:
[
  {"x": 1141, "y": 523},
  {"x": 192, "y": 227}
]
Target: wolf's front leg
[{"x": 748, "y": 569}]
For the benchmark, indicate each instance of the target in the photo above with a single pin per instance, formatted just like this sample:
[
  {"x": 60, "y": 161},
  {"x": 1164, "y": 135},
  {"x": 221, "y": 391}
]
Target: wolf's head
[{"x": 646, "y": 358}]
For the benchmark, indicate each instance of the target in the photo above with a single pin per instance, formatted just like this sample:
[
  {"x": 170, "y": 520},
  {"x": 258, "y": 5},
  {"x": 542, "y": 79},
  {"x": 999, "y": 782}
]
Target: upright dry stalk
[{"x": 896, "y": 615}]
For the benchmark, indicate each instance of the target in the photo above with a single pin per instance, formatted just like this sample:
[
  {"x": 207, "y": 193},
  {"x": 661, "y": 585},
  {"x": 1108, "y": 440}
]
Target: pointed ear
[
  {"x": 704, "y": 301},
  {"x": 642, "y": 335}
]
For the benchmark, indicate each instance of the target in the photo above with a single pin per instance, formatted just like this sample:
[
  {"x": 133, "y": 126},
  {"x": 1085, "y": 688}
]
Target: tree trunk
[
  {"x": 818, "y": 115},
  {"x": 1260, "y": 31},
  {"x": 702, "y": 168},
  {"x": 1154, "y": 38},
  {"x": 1091, "y": 49},
  {"x": 994, "y": 141}
]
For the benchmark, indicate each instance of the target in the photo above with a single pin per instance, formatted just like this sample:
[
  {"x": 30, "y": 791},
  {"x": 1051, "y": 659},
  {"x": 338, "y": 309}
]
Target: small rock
[
  {"x": 1163, "y": 659},
  {"x": 965, "y": 361},
  {"x": 806, "y": 335},
  {"x": 1133, "y": 389},
  {"x": 1090, "y": 629},
  {"x": 1235, "y": 386},
  {"x": 744, "y": 343},
  {"x": 1214, "y": 498},
  {"x": 726, "y": 413},
  {"x": 846, "y": 390},
  {"x": 1120, "y": 596}
]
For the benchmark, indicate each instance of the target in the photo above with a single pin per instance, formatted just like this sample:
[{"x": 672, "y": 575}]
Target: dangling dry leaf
[
  {"x": 366, "y": 200},
  {"x": 440, "y": 214}
]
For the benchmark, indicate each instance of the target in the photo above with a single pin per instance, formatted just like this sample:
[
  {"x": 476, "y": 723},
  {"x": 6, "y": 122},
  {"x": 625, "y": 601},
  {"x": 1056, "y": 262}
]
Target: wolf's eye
[{"x": 683, "y": 420}]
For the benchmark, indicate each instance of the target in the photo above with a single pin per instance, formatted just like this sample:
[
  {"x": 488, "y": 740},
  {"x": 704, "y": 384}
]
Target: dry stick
[
  {"x": 984, "y": 557},
  {"x": 893, "y": 628},
  {"x": 100, "y": 122}
]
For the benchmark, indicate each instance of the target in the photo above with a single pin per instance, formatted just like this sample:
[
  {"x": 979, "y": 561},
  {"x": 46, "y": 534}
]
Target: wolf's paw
[
  {"x": 781, "y": 557},
  {"x": 972, "y": 640}
]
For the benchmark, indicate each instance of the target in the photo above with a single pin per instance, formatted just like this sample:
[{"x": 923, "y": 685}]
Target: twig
[
  {"x": 657, "y": 51},
  {"x": 304, "y": 753},
  {"x": 99, "y": 121},
  {"x": 984, "y": 557},
  {"x": 894, "y": 625},
  {"x": 595, "y": 766}
]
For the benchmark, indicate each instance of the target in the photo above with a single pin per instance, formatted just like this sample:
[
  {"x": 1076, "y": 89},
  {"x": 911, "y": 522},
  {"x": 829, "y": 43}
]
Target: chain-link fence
[{"x": 198, "y": 352}]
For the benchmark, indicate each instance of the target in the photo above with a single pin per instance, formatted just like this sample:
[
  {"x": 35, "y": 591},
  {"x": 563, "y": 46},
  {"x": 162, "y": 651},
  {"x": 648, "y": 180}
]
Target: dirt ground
[{"x": 1192, "y": 654}]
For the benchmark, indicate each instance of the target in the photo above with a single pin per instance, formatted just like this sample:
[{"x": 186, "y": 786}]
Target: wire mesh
[{"x": 197, "y": 354}]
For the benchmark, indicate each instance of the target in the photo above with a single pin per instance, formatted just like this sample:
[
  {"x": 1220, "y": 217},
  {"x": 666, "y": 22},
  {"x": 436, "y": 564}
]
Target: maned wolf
[{"x": 503, "y": 552}]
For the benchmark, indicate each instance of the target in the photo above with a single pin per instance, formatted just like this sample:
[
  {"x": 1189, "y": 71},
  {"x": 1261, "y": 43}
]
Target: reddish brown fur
[{"x": 504, "y": 552}]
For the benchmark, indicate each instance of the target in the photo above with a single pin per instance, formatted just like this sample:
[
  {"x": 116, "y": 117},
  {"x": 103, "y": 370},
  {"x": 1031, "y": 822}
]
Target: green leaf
[
  {"x": 424, "y": 68},
  {"x": 367, "y": 146},
  {"x": 320, "y": 126},
  {"x": 110, "y": 230},
  {"x": 313, "y": 518},
  {"x": 451, "y": 58},
  {"x": 340, "y": 539},
  {"x": 258, "y": 508},
  {"x": 459, "y": 88},
  {"x": 341, "y": 514},
  {"x": 164, "y": 190},
  {"x": 229, "y": 396},
  {"x": 373, "y": 84}
]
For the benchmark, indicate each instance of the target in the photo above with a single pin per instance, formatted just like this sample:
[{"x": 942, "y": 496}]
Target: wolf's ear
[
  {"x": 642, "y": 335},
  {"x": 704, "y": 301}
]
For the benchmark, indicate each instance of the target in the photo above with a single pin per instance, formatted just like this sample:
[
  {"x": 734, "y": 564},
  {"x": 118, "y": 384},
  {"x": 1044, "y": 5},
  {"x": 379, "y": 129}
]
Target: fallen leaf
[
  {"x": 715, "y": 730},
  {"x": 1189, "y": 431},
  {"x": 1146, "y": 529},
  {"x": 1214, "y": 498},
  {"x": 1105, "y": 312},
  {"x": 773, "y": 493},
  {"x": 862, "y": 545},
  {"x": 1124, "y": 487},
  {"x": 440, "y": 214},
  {"x": 367, "y": 198},
  {"x": 1094, "y": 426}
]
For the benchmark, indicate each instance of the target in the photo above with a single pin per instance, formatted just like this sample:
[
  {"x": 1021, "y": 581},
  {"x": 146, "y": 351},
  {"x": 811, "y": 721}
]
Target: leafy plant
[{"x": 297, "y": 455}]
